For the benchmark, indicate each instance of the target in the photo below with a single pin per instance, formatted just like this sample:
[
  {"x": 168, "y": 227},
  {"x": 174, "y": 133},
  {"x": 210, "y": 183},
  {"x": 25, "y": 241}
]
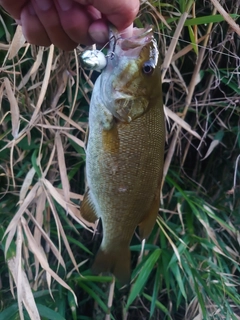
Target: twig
[
  {"x": 191, "y": 89},
  {"x": 110, "y": 299},
  {"x": 226, "y": 16}
]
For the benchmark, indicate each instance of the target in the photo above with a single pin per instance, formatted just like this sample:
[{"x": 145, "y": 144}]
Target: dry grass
[
  {"x": 42, "y": 130},
  {"x": 34, "y": 102}
]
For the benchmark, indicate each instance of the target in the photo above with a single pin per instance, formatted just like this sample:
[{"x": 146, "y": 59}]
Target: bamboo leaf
[
  {"x": 10, "y": 312},
  {"x": 48, "y": 313},
  {"x": 207, "y": 19},
  {"x": 95, "y": 296},
  {"x": 193, "y": 40},
  {"x": 158, "y": 304},
  {"x": 143, "y": 276},
  {"x": 177, "y": 275},
  {"x": 156, "y": 287}
]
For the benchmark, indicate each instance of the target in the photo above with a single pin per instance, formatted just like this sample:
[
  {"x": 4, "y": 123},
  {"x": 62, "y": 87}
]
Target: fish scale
[{"x": 124, "y": 156}]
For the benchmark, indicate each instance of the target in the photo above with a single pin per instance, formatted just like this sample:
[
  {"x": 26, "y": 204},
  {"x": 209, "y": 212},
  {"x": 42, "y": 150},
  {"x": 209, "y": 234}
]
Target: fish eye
[{"x": 147, "y": 68}]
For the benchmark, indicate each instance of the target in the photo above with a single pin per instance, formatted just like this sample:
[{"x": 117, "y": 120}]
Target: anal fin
[{"x": 88, "y": 211}]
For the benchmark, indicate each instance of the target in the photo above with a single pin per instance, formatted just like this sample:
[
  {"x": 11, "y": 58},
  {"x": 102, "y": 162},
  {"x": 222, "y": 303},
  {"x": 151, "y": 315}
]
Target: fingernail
[
  {"x": 65, "y": 4},
  {"x": 44, "y": 5}
]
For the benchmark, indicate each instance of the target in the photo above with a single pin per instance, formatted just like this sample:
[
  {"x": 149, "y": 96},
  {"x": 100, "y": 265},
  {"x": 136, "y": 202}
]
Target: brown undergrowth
[{"x": 190, "y": 269}]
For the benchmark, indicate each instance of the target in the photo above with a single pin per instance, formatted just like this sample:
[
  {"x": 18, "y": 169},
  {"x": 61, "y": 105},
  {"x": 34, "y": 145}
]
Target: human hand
[{"x": 66, "y": 23}]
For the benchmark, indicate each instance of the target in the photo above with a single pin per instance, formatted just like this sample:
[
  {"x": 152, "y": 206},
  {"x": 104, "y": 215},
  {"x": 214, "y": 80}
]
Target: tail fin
[{"x": 117, "y": 261}]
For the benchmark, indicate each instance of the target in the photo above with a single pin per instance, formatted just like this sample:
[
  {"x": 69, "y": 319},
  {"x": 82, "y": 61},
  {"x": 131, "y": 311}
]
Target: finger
[
  {"x": 120, "y": 13},
  {"x": 13, "y": 7},
  {"x": 99, "y": 31},
  {"x": 48, "y": 15},
  {"x": 32, "y": 28},
  {"x": 127, "y": 32},
  {"x": 75, "y": 20}
]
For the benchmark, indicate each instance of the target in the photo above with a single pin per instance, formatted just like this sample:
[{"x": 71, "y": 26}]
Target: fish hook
[{"x": 111, "y": 55}]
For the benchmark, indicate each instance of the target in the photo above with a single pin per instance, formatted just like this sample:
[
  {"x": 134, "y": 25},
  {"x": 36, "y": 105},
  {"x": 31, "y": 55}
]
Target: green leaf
[
  {"x": 219, "y": 135},
  {"x": 193, "y": 40},
  {"x": 90, "y": 278},
  {"x": 207, "y": 19},
  {"x": 12, "y": 248},
  {"x": 229, "y": 79},
  {"x": 143, "y": 276},
  {"x": 25, "y": 145},
  {"x": 43, "y": 293},
  {"x": 79, "y": 244},
  {"x": 200, "y": 294},
  {"x": 9, "y": 313},
  {"x": 164, "y": 261},
  {"x": 78, "y": 148},
  {"x": 35, "y": 164},
  {"x": 72, "y": 305},
  {"x": 155, "y": 290},
  {"x": 158, "y": 304},
  {"x": 179, "y": 278},
  {"x": 61, "y": 301},
  {"x": 49, "y": 313},
  {"x": 95, "y": 296},
  {"x": 181, "y": 248},
  {"x": 147, "y": 246}
]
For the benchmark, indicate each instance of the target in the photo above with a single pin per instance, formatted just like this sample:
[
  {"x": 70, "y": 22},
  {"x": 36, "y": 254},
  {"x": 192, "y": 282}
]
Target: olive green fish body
[{"x": 125, "y": 153}]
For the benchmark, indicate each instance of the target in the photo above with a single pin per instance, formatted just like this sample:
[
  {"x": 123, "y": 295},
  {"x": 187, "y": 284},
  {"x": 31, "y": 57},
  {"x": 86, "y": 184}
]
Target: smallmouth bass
[{"x": 125, "y": 148}]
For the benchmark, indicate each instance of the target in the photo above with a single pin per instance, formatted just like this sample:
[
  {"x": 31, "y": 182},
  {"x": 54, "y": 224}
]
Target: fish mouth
[
  {"x": 142, "y": 33},
  {"x": 140, "y": 37},
  {"x": 138, "y": 33}
]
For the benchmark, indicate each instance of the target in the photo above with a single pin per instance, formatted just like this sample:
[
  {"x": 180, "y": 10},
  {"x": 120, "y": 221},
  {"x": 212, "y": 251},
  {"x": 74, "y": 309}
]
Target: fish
[{"x": 125, "y": 149}]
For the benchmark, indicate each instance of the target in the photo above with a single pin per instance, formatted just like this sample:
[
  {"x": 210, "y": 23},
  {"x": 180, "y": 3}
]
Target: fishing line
[
  {"x": 111, "y": 55},
  {"x": 94, "y": 60},
  {"x": 200, "y": 46}
]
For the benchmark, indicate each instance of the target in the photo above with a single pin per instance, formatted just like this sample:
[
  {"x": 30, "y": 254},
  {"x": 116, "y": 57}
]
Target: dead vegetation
[{"x": 192, "y": 265}]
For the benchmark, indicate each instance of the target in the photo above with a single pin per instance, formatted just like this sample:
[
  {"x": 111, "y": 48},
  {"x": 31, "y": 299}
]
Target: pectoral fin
[
  {"x": 88, "y": 210},
  {"x": 147, "y": 224},
  {"x": 128, "y": 109}
]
